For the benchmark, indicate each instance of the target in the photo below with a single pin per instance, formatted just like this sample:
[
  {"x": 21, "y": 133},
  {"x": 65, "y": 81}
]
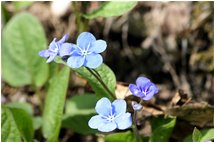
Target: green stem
[
  {"x": 81, "y": 22},
  {"x": 138, "y": 138},
  {"x": 101, "y": 82}
]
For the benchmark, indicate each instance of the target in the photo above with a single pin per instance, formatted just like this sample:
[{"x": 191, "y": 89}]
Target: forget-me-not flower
[
  {"x": 57, "y": 48},
  {"x": 110, "y": 116},
  {"x": 144, "y": 88},
  {"x": 86, "y": 52}
]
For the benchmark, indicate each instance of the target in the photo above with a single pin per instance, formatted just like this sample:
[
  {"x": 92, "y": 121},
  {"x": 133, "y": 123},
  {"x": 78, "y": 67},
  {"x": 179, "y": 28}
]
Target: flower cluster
[{"x": 84, "y": 53}]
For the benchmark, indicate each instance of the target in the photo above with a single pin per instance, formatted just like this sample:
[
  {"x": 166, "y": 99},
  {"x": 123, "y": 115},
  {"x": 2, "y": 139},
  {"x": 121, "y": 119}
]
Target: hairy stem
[
  {"x": 138, "y": 138},
  {"x": 101, "y": 82}
]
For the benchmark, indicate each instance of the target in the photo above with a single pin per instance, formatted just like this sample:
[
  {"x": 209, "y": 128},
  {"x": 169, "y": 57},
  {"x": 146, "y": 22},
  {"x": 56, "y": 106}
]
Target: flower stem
[
  {"x": 97, "y": 76},
  {"x": 79, "y": 9},
  {"x": 138, "y": 138}
]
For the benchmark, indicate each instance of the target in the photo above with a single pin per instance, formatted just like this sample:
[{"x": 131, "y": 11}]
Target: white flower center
[
  {"x": 111, "y": 118},
  {"x": 144, "y": 92},
  {"x": 85, "y": 52}
]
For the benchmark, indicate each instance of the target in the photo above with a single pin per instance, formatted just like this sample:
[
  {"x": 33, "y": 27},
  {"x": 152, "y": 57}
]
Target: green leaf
[
  {"x": 22, "y": 105},
  {"x": 162, "y": 129},
  {"x": 13, "y": 127},
  {"x": 78, "y": 110},
  {"x": 26, "y": 126},
  {"x": 121, "y": 137},
  {"x": 196, "y": 136},
  {"x": 22, "y": 38},
  {"x": 106, "y": 75},
  {"x": 9, "y": 129},
  {"x": 112, "y": 8},
  {"x": 37, "y": 122},
  {"x": 54, "y": 105},
  {"x": 206, "y": 134}
]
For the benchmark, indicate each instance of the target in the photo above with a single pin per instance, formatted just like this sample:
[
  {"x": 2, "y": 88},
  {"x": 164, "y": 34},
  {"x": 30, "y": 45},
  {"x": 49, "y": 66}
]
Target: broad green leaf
[
  {"x": 37, "y": 121},
  {"x": 121, "y": 137},
  {"x": 112, "y": 8},
  {"x": 206, "y": 134},
  {"x": 9, "y": 129},
  {"x": 13, "y": 127},
  {"x": 196, "y": 136},
  {"x": 78, "y": 110},
  {"x": 26, "y": 126},
  {"x": 22, "y": 38},
  {"x": 106, "y": 75},
  {"x": 22, "y": 105},
  {"x": 162, "y": 129},
  {"x": 54, "y": 105}
]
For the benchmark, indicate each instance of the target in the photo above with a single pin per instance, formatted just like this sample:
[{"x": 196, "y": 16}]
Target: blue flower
[
  {"x": 144, "y": 88},
  {"x": 86, "y": 52},
  {"x": 136, "y": 106},
  {"x": 110, "y": 116},
  {"x": 57, "y": 48}
]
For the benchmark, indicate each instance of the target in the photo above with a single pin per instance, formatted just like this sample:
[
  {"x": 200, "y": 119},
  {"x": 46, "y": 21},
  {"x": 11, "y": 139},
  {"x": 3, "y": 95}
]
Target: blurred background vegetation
[{"x": 172, "y": 43}]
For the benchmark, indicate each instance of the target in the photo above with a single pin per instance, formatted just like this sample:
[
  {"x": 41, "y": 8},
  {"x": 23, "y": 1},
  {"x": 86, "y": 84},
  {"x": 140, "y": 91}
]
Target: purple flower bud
[{"x": 136, "y": 106}]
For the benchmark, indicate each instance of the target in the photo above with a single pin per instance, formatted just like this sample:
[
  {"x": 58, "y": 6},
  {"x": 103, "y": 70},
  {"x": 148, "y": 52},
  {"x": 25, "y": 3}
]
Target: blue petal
[
  {"x": 124, "y": 121},
  {"x": 44, "y": 53},
  {"x": 84, "y": 40},
  {"x": 65, "y": 49},
  {"x": 119, "y": 106},
  {"x": 96, "y": 122},
  {"x": 152, "y": 91},
  {"x": 93, "y": 60},
  {"x": 75, "y": 61},
  {"x": 53, "y": 46},
  {"x": 149, "y": 96},
  {"x": 141, "y": 81},
  {"x": 63, "y": 39},
  {"x": 134, "y": 90},
  {"x": 98, "y": 46},
  {"x": 103, "y": 107},
  {"x": 108, "y": 127},
  {"x": 51, "y": 58}
]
